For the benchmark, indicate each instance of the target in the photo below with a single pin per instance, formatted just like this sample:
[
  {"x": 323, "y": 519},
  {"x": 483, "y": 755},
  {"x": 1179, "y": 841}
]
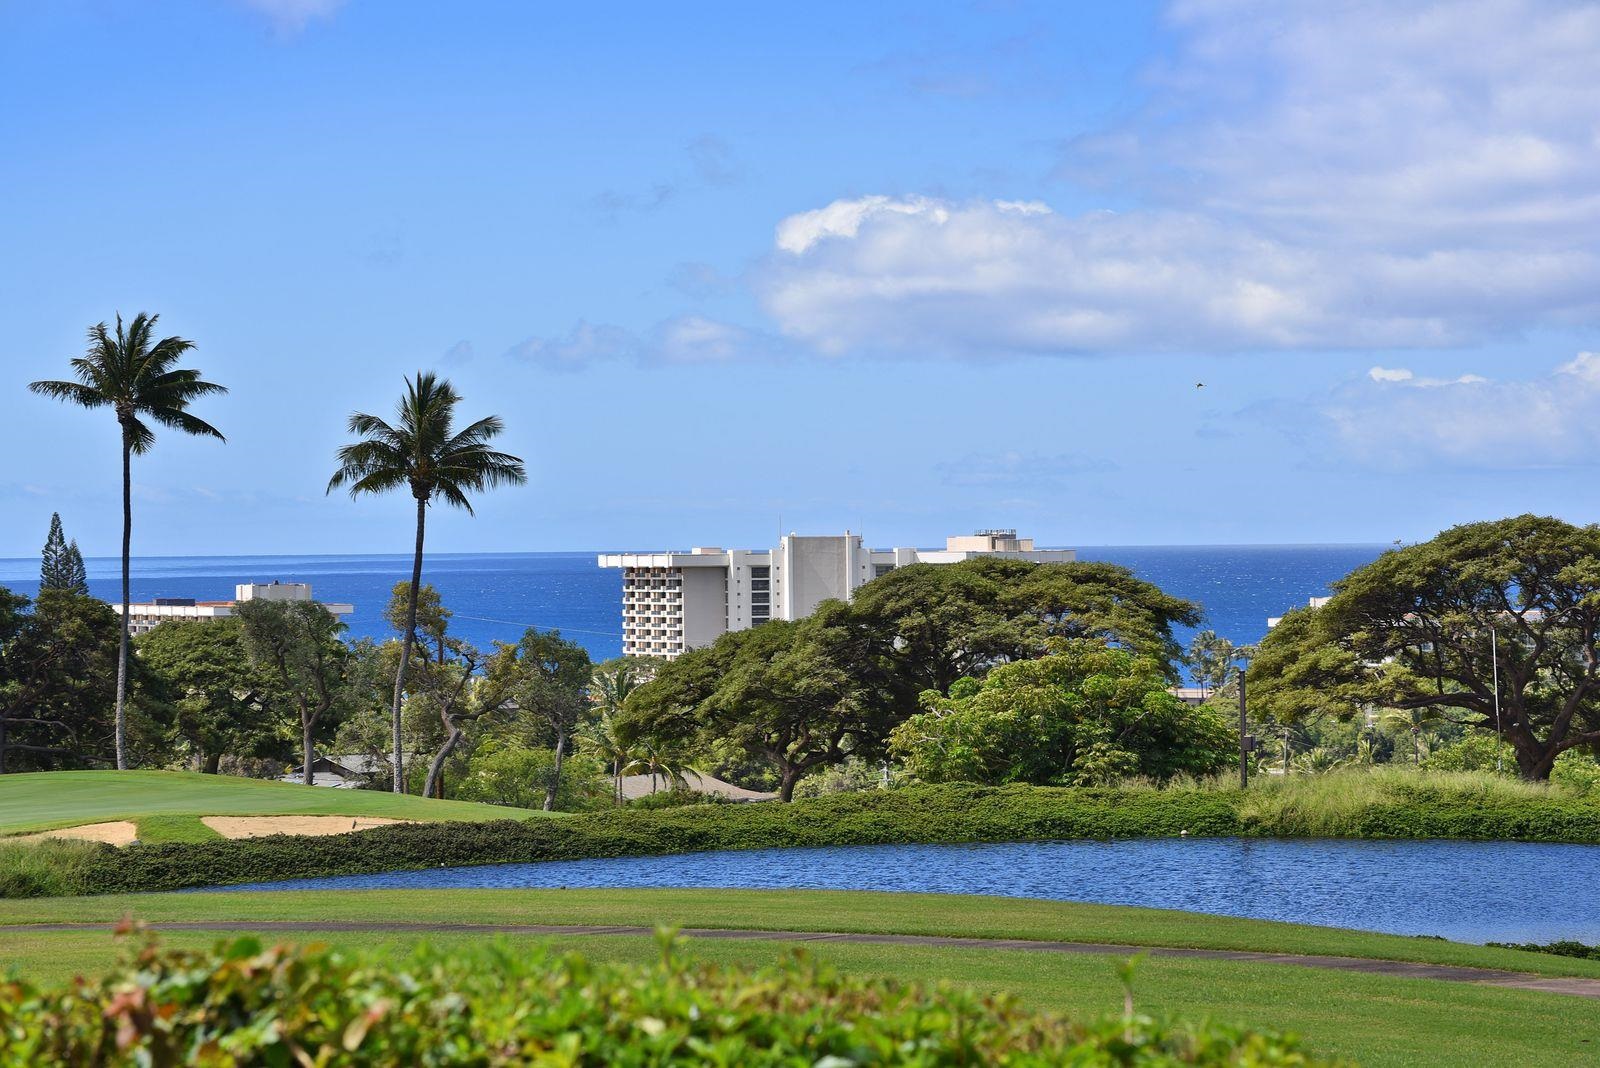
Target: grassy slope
[
  {"x": 1376, "y": 1020},
  {"x": 805, "y": 910},
  {"x": 41, "y": 801}
]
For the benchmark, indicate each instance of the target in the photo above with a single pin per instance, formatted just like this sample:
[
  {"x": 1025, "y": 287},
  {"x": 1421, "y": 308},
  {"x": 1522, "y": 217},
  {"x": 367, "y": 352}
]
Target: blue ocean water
[{"x": 495, "y": 596}]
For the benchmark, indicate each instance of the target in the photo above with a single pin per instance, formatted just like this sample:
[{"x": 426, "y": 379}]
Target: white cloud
[
  {"x": 1400, "y": 419},
  {"x": 1363, "y": 174},
  {"x": 682, "y": 339},
  {"x": 1404, "y": 376},
  {"x": 293, "y": 15}
]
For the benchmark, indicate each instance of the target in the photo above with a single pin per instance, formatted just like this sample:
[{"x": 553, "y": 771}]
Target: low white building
[
  {"x": 674, "y": 601},
  {"x": 147, "y": 615}
]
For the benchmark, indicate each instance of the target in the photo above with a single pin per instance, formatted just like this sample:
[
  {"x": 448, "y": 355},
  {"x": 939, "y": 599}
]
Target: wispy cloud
[
  {"x": 292, "y": 16},
  {"x": 683, "y": 339},
  {"x": 1394, "y": 418}
]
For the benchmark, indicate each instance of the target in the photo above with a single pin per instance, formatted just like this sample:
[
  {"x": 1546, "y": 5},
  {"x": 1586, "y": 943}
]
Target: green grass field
[
  {"x": 167, "y": 805},
  {"x": 1376, "y": 1020}
]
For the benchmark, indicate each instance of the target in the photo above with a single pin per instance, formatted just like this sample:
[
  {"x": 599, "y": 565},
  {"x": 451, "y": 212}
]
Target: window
[
  {"x": 761, "y": 584},
  {"x": 759, "y": 599},
  {"x": 880, "y": 570},
  {"x": 761, "y": 572}
]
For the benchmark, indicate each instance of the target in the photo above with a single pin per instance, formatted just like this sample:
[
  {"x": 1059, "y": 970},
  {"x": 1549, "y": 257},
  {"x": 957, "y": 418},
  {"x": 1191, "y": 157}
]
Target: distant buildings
[
  {"x": 674, "y": 601},
  {"x": 1314, "y": 602},
  {"x": 148, "y": 615}
]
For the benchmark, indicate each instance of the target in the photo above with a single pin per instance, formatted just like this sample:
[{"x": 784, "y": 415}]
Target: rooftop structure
[
  {"x": 147, "y": 615},
  {"x": 676, "y": 601},
  {"x": 1314, "y": 602}
]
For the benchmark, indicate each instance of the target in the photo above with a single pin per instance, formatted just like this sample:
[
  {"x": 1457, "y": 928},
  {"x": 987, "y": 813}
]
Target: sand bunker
[
  {"x": 117, "y": 833},
  {"x": 257, "y": 826}
]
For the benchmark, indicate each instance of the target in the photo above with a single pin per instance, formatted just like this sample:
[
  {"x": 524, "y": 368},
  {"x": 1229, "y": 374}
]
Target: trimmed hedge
[
  {"x": 240, "y": 1004},
  {"x": 924, "y": 814}
]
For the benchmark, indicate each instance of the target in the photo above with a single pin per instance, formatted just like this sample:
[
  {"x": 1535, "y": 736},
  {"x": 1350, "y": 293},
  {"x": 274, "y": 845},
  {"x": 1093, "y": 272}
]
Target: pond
[{"x": 1467, "y": 891}]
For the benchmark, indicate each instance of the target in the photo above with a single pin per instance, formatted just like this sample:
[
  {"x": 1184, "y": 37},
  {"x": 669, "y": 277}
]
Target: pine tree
[
  {"x": 77, "y": 574},
  {"x": 61, "y": 564},
  {"x": 54, "y": 567}
]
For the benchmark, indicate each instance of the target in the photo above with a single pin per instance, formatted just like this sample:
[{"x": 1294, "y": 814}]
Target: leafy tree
[
  {"x": 521, "y": 777},
  {"x": 956, "y": 621},
  {"x": 795, "y": 695},
  {"x": 297, "y": 645},
  {"x": 448, "y": 688},
  {"x": 1213, "y": 659},
  {"x": 433, "y": 618},
  {"x": 139, "y": 380},
  {"x": 423, "y": 452},
  {"x": 58, "y": 674},
  {"x": 546, "y": 678},
  {"x": 1496, "y": 625},
  {"x": 222, "y": 701},
  {"x": 613, "y": 681},
  {"x": 61, "y": 564},
  {"x": 1086, "y": 714}
]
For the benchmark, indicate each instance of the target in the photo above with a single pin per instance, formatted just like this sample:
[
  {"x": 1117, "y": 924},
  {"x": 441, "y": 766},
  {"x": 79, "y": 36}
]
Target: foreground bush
[
  {"x": 1349, "y": 805},
  {"x": 240, "y": 1004}
]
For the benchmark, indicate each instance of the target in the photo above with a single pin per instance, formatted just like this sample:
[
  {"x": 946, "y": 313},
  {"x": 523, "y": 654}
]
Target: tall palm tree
[
  {"x": 138, "y": 380},
  {"x": 423, "y": 451}
]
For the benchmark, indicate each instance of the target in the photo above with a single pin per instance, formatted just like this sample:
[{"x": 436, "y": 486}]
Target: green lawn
[
  {"x": 802, "y": 910},
  {"x": 1377, "y": 1020},
  {"x": 168, "y": 804}
]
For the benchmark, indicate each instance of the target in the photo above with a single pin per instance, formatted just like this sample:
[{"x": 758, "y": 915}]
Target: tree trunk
[
  {"x": 616, "y": 772},
  {"x": 435, "y": 782},
  {"x": 212, "y": 764},
  {"x": 2, "y": 746},
  {"x": 307, "y": 755},
  {"x": 786, "y": 783},
  {"x": 122, "y": 644},
  {"x": 405, "y": 647},
  {"x": 555, "y": 779}
]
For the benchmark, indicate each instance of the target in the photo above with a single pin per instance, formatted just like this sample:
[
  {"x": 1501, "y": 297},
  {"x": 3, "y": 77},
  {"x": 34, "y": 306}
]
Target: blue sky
[{"x": 903, "y": 268}]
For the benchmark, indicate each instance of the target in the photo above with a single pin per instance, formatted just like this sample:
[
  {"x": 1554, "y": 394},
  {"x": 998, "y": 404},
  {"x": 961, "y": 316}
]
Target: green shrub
[
  {"x": 49, "y": 867},
  {"x": 240, "y": 1004},
  {"x": 1559, "y": 949}
]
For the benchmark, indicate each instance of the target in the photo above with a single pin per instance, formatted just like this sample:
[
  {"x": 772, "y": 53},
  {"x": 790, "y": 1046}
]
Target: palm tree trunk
[
  {"x": 121, "y": 729},
  {"x": 405, "y": 647}
]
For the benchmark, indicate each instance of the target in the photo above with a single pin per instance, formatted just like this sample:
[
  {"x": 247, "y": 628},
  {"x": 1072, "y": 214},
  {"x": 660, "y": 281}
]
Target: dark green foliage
[
  {"x": 221, "y": 703},
  {"x": 794, "y": 695},
  {"x": 295, "y": 647},
  {"x": 61, "y": 564},
  {"x": 241, "y": 1004},
  {"x": 1559, "y": 949},
  {"x": 58, "y": 677},
  {"x": 954, "y": 621},
  {"x": 1426, "y": 627}
]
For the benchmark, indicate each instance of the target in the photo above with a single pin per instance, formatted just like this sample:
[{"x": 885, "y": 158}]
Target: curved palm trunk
[
  {"x": 121, "y": 729},
  {"x": 405, "y": 647},
  {"x": 555, "y": 779}
]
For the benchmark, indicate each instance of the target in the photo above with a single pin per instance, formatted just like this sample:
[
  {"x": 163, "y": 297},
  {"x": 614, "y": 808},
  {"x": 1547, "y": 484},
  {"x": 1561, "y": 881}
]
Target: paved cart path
[{"x": 1578, "y": 987}]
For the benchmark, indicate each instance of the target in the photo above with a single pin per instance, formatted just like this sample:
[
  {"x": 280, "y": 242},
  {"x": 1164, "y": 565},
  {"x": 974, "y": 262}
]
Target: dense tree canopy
[
  {"x": 1513, "y": 603},
  {"x": 1085, "y": 714},
  {"x": 58, "y": 682},
  {"x": 955, "y": 621},
  {"x": 222, "y": 703},
  {"x": 793, "y": 695}
]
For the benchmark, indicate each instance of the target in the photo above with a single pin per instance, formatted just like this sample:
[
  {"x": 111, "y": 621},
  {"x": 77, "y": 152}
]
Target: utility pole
[{"x": 1246, "y": 743}]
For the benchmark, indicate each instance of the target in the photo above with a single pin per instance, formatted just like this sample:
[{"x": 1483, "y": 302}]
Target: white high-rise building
[{"x": 674, "y": 601}]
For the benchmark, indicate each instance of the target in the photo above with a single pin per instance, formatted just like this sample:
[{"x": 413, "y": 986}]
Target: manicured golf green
[
  {"x": 1374, "y": 1019},
  {"x": 170, "y": 803}
]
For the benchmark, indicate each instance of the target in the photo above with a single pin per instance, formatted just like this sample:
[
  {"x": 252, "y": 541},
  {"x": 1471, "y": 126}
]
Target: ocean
[{"x": 495, "y": 596}]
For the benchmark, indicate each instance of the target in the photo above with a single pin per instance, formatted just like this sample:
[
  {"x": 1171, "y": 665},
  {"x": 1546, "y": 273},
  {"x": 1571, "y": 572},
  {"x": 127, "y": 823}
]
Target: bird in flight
[{"x": 1199, "y": 385}]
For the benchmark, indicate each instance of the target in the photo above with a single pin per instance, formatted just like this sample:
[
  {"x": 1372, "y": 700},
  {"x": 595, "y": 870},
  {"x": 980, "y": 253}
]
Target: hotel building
[
  {"x": 148, "y": 615},
  {"x": 673, "y": 601}
]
